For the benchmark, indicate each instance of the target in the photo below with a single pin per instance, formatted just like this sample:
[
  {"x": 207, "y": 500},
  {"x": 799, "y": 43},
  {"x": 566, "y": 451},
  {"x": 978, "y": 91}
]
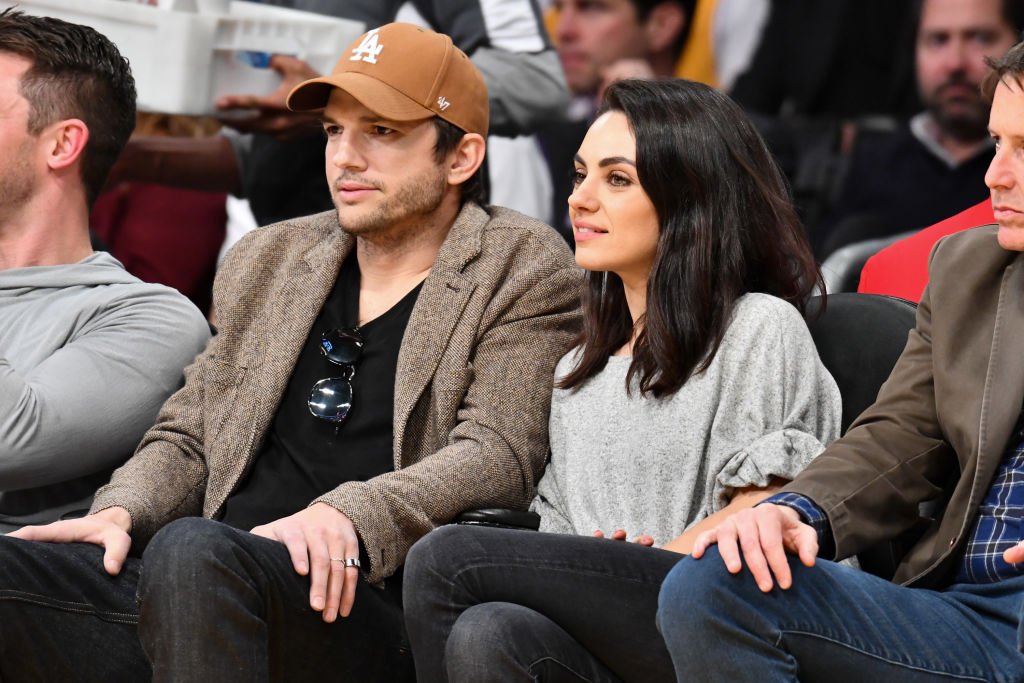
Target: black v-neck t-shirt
[{"x": 304, "y": 457}]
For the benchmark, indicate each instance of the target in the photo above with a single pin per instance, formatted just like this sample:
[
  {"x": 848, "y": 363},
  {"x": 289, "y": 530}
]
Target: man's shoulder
[
  {"x": 508, "y": 234},
  {"x": 969, "y": 250},
  {"x": 96, "y": 299},
  {"x": 511, "y": 259},
  {"x": 100, "y": 282},
  {"x": 158, "y": 309},
  {"x": 292, "y": 234},
  {"x": 966, "y": 269},
  {"x": 766, "y": 322},
  {"x": 278, "y": 242}
]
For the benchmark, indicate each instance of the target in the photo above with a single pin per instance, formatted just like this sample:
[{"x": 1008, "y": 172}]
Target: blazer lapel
[
  {"x": 297, "y": 302},
  {"x": 434, "y": 317},
  {"x": 1004, "y": 380},
  {"x": 437, "y": 311}
]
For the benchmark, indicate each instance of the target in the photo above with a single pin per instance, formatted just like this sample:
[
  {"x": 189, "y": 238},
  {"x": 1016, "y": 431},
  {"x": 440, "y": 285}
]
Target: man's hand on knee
[
  {"x": 763, "y": 535},
  {"x": 107, "y": 528},
  {"x": 323, "y": 545}
]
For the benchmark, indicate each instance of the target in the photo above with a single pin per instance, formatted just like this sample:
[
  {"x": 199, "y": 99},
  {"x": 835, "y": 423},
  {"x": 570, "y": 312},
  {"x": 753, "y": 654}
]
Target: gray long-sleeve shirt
[{"x": 88, "y": 354}]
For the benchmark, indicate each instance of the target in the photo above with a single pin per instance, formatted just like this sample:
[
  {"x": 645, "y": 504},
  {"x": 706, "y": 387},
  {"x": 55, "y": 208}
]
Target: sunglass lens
[
  {"x": 341, "y": 346},
  {"x": 331, "y": 399}
]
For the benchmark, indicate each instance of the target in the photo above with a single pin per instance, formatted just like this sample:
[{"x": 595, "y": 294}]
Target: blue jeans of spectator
[
  {"x": 486, "y": 604},
  {"x": 837, "y": 624},
  {"x": 205, "y": 603}
]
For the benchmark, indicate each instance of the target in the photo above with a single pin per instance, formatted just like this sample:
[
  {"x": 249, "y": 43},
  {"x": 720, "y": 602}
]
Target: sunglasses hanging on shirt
[{"x": 331, "y": 397}]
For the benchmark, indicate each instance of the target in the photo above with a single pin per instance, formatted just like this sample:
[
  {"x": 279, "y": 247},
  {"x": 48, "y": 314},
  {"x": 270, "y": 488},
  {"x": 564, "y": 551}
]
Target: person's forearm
[
  {"x": 42, "y": 442},
  {"x": 206, "y": 163},
  {"x": 748, "y": 498}
]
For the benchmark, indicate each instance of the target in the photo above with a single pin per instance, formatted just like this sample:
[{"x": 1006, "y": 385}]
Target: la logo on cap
[{"x": 368, "y": 49}]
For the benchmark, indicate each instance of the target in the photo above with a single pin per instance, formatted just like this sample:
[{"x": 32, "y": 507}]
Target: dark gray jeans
[
  {"x": 487, "y": 605},
  {"x": 206, "y": 603}
]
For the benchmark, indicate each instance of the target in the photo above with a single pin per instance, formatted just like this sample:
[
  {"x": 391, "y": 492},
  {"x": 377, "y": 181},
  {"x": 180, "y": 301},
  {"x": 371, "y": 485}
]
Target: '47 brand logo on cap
[
  {"x": 368, "y": 49},
  {"x": 442, "y": 103}
]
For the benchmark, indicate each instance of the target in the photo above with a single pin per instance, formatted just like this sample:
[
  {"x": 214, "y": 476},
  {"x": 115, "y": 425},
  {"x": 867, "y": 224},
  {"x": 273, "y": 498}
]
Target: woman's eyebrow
[{"x": 611, "y": 161}]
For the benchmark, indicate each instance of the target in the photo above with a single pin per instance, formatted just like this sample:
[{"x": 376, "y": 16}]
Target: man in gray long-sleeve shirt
[{"x": 88, "y": 353}]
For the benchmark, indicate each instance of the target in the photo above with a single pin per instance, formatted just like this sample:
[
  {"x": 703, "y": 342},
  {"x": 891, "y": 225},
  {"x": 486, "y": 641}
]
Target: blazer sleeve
[
  {"x": 894, "y": 456},
  {"x": 167, "y": 476},
  {"x": 496, "y": 451}
]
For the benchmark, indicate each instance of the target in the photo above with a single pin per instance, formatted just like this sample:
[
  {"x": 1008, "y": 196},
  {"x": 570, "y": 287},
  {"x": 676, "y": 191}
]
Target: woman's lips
[{"x": 584, "y": 231}]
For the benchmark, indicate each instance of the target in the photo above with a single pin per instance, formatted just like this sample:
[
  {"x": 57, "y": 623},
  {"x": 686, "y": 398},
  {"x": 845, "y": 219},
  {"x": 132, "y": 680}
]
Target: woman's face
[{"x": 613, "y": 220}]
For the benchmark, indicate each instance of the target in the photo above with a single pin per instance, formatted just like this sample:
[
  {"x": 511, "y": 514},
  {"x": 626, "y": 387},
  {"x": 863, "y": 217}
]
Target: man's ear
[
  {"x": 466, "y": 158},
  {"x": 65, "y": 142},
  {"x": 663, "y": 26}
]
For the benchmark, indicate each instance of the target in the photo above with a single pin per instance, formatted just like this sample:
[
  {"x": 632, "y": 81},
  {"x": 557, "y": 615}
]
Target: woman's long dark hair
[{"x": 727, "y": 227}]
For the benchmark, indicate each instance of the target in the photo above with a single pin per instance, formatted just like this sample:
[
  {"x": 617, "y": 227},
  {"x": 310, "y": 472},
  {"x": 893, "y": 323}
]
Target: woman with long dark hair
[{"x": 695, "y": 391}]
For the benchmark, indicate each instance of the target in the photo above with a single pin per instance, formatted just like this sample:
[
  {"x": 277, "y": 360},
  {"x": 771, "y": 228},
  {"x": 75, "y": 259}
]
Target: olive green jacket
[{"x": 942, "y": 420}]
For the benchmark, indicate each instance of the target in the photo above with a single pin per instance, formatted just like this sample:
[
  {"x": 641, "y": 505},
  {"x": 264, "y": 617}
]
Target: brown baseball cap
[{"x": 404, "y": 73}]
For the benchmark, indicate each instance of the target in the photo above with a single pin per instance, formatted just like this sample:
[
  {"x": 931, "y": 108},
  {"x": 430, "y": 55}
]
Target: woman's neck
[{"x": 636, "y": 301}]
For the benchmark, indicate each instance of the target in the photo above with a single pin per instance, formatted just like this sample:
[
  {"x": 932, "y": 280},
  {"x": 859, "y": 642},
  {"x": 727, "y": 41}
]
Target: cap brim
[{"x": 376, "y": 96}]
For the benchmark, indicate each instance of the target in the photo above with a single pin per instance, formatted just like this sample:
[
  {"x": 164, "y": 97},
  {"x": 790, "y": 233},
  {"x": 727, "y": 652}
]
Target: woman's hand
[{"x": 620, "y": 535}]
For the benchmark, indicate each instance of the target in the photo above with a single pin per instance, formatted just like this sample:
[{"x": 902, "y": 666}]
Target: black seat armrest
[{"x": 500, "y": 517}]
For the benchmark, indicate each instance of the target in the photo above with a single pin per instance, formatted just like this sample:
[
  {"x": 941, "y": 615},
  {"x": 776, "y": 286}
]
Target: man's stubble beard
[
  {"x": 967, "y": 121},
  {"x": 17, "y": 184},
  {"x": 396, "y": 216}
]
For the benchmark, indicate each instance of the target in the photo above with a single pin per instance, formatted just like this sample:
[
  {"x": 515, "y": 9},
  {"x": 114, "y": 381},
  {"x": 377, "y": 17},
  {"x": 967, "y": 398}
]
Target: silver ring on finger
[{"x": 347, "y": 561}]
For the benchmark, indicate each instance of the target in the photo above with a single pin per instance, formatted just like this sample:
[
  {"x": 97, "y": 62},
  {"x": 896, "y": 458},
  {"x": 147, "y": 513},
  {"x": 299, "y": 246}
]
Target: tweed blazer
[
  {"x": 472, "y": 389},
  {"x": 942, "y": 420}
]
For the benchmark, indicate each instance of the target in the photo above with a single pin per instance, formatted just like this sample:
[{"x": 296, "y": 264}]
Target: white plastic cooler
[{"x": 186, "y": 53}]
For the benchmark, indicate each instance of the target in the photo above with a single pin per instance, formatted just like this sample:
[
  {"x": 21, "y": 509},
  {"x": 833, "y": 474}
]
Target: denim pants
[
  {"x": 837, "y": 624},
  {"x": 205, "y": 603},
  {"x": 503, "y": 605}
]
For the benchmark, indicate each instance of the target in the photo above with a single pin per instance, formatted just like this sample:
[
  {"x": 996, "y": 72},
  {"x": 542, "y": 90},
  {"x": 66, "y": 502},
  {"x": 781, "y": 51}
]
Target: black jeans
[
  {"x": 501, "y": 605},
  {"x": 206, "y": 603}
]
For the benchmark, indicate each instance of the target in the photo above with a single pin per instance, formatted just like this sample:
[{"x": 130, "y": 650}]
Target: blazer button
[{"x": 952, "y": 542}]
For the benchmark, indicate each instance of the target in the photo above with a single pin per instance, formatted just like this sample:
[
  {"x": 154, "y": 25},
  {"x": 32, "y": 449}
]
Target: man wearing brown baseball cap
[
  {"x": 404, "y": 73},
  {"x": 378, "y": 370}
]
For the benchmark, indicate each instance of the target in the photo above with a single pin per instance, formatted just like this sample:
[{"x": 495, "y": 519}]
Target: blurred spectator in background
[
  {"x": 164, "y": 234},
  {"x": 822, "y": 70},
  {"x": 841, "y": 59},
  {"x": 934, "y": 166},
  {"x": 88, "y": 353},
  {"x": 722, "y": 40},
  {"x": 599, "y": 42}
]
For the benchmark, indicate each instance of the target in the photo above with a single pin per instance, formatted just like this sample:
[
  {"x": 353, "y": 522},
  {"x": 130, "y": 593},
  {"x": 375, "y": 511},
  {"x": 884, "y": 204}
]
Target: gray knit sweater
[{"x": 765, "y": 407}]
